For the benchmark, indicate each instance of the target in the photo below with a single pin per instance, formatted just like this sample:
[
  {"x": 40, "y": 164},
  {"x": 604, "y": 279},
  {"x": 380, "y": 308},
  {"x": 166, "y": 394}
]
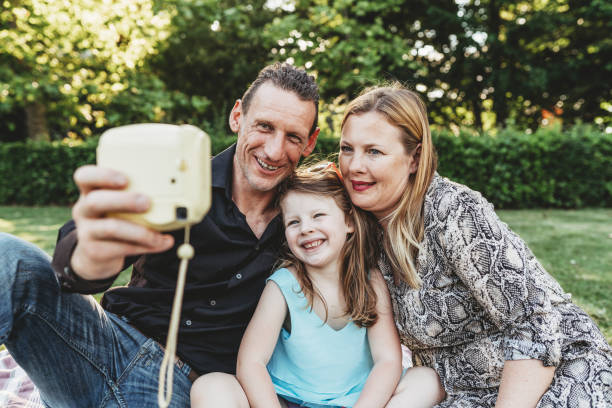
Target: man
[{"x": 81, "y": 354}]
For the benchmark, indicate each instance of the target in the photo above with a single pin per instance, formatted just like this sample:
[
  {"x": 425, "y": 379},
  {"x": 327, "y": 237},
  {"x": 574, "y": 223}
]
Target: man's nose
[{"x": 274, "y": 146}]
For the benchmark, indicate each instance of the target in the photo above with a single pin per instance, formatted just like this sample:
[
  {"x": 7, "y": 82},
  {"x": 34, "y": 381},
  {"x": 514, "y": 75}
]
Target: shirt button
[
  {"x": 238, "y": 276},
  {"x": 213, "y": 302},
  {"x": 188, "y": 322},
  {"x": 257, "y": 247}
]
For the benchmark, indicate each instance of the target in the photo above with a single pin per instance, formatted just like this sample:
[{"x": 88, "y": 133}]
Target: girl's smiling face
[{"x": 316, "y": 229}]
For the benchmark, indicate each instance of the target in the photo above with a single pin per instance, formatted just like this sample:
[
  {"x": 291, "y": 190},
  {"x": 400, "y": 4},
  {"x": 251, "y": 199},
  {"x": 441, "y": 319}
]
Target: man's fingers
[
  {"x": 92, "y": 177},
  {"x": 103, "y": 259},
  {"x": 98, "y": 203},
  {"x": 125, "y": 233},
  {"x": 105, "y": 250}
]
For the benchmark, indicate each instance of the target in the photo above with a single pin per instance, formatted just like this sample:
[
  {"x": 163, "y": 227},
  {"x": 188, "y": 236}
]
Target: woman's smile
[{"x": 361, "y": 185}]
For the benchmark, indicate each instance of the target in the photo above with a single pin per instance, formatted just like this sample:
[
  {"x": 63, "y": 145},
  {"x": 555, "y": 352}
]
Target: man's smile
[{"x": 266, "y": 166}]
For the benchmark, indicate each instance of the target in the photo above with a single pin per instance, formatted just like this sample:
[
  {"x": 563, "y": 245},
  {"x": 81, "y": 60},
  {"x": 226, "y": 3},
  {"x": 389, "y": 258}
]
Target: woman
[{"x": 470, "y": 299}]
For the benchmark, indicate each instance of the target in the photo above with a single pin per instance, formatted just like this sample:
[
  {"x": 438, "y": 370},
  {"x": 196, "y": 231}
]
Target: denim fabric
[{"x": 76, "y": 353}]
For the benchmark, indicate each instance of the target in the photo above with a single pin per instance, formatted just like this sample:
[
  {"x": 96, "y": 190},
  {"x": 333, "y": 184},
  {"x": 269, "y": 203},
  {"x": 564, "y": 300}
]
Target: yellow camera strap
[{"x": 164, "y": 393}]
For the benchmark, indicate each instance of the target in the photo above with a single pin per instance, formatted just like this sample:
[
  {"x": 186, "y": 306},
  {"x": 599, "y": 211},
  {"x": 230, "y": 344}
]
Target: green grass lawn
[{"x": 575, "y": 246}]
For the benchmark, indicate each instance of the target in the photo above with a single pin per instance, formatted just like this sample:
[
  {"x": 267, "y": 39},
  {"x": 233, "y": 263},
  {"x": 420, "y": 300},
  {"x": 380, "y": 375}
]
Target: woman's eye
[
  {"x": 346, "y": 149},
  {"x": 374, "y": 151}
]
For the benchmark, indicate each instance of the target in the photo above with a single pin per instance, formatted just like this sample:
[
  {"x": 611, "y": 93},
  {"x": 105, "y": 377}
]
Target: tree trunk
[
  {"x": 500, "y": 106},
  {"x": 36, "y": 121},
  {"x": 477, "y": 109}
]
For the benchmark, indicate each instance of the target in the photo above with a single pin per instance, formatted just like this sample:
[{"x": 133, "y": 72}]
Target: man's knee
[
  {"x": 14, "y": 250},
  {"x": 23, "y": 266}
]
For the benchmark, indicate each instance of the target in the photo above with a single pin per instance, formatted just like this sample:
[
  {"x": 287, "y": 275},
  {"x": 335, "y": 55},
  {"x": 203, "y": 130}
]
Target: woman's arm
[
  {"x": 514, "y": 291},
  {"x": 386, "y": 351},
  {"x": 523, "y": 383},
  {"x": 257, "y": 347}
]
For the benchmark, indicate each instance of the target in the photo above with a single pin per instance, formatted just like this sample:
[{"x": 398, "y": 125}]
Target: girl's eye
[
  {"x": 290, "y": 223},
  {"x": 319, "y": 215}
]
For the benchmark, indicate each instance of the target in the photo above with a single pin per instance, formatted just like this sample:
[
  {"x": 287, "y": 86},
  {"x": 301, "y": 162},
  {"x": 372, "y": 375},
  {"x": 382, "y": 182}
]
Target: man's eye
[
  {"x": 295, "y": 139},
  {"x": 265, "y": 126}
]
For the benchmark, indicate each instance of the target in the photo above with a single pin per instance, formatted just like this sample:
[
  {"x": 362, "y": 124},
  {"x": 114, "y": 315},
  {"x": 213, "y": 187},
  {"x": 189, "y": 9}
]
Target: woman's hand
[{"x": 523, "y": 383}]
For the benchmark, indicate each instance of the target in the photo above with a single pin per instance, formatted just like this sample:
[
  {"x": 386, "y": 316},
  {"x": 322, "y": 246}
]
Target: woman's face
[{"x": 374, "y": 163}]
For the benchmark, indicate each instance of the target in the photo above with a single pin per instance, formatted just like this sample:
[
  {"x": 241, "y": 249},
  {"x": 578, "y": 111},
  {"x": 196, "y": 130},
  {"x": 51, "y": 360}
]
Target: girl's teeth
[{"x": 312, "y": 244}]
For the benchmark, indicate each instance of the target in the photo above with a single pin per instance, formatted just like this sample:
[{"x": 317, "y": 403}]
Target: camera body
[{"x": 168, "y": 163}]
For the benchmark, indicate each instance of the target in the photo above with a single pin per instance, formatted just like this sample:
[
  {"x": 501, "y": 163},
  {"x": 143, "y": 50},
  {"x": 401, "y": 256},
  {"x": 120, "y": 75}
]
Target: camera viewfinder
[{"x": 181, "y": 213}]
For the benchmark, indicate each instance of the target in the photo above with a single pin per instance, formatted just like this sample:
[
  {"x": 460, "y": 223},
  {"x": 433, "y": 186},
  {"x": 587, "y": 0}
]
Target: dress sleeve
[{"x": 505, "y": 278}]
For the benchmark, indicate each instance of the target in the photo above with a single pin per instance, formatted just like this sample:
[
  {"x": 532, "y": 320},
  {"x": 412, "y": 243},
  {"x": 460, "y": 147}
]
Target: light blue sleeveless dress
[{"x": 314, "y": 365}]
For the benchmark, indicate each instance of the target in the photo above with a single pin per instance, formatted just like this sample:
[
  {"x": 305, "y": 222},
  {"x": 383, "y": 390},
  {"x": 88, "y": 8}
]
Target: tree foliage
[
  {"x": 216, "y": 47},
  {"x": 81, "y": 64},
  {"x": 71, "y": 69},
  {"x": 474, "y": 60}
]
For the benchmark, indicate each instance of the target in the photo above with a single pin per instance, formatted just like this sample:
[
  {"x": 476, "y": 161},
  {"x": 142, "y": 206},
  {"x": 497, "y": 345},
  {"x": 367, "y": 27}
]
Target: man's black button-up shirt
[{"x": 224, "y": 280}]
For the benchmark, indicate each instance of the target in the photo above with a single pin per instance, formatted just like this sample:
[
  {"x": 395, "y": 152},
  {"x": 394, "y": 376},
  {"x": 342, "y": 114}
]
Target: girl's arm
[
  {"x": 257, "y": 346},
  {"x": 386, "y": 351}
]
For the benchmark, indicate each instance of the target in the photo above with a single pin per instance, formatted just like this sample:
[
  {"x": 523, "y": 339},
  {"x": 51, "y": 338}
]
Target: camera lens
[{"x": 181, "y": 213}]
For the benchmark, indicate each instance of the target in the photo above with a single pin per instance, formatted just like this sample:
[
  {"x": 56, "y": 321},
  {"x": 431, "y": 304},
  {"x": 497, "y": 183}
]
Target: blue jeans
[{"x": 76, "y": 353}]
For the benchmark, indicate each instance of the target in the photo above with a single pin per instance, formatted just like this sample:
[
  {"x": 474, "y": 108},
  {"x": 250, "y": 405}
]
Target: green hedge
[{"x": 549, "y": 168}]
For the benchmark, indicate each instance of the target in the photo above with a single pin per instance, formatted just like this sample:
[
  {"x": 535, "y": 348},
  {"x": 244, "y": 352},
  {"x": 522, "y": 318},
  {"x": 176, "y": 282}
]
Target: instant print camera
[{"x": 168, "y": 163}]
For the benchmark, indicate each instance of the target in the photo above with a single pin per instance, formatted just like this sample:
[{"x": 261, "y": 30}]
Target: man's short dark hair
[{"x": 288, "y": 78}]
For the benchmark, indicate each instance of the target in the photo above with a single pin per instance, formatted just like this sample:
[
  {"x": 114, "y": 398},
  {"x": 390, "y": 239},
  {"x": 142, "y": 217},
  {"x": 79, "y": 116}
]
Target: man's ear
[
  {"x": 312, "y": 141},
  {"x": 235, "y": 115},
  {"x": 416, "y": 156}
]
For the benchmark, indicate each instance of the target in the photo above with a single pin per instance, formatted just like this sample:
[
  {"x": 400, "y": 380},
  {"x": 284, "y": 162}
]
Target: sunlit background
[{"x": 70, "y": 69}]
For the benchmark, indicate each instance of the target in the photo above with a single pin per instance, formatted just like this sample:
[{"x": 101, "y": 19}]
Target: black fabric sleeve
[{"x": 68, "y": 279}]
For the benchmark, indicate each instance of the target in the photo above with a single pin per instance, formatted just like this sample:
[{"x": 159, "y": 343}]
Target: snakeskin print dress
[{"x": 486, "y": 299}]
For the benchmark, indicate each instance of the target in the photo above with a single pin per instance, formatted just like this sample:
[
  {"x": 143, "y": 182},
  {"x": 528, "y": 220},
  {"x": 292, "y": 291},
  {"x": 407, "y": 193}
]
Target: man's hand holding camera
[{"x": 104, "y": 242}]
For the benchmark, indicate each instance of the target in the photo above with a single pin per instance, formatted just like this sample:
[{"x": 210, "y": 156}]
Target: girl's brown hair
[
  {"x": 404, "y": 227},
  {"x": 359, "y": 253}
]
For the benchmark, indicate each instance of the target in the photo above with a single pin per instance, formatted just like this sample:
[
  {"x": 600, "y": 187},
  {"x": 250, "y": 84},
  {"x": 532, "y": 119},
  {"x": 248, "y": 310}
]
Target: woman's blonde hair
[
  {"x": 404, "y": 225},
  {"x": 359, "y": 252}
]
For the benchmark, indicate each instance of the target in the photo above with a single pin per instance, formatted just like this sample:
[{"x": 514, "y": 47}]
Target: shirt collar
[{"x": 222, "y": 170}]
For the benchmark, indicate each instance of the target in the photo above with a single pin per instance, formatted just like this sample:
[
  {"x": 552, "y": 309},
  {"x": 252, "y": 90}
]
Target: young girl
[{"x": 323, "y": 333}]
